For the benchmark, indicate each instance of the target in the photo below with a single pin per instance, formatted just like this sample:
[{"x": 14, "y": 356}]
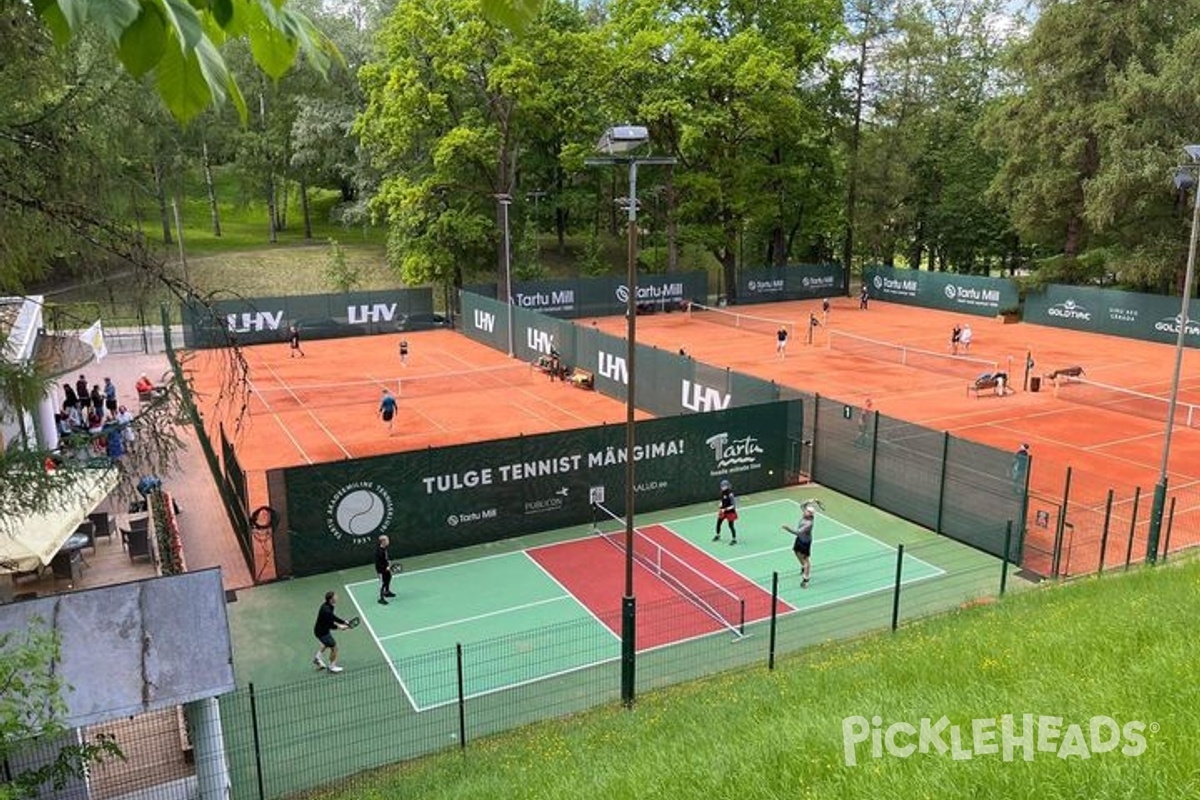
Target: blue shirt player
[{"x": 387, "y": 409}]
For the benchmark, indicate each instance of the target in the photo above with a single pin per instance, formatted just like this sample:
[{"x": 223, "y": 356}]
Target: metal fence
[{"x": 284, "y": 739}]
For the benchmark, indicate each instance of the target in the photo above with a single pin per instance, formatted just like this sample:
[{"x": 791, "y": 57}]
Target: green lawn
[{"x": 1120, "y": 648}]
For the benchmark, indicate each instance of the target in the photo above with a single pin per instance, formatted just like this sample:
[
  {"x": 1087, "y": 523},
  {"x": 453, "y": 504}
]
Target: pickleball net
[
  {"x": 1077, "y": 389},
  {"x": 709, "y": 596},
  {"x": 928, "y": 360},
  {"x": 734, "y": 319},
  {"x": 273, "y": 399}
]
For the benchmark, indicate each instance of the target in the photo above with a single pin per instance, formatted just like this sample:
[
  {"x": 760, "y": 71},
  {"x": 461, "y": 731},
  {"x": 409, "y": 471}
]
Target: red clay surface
[{"x": 1106, "y": 449}]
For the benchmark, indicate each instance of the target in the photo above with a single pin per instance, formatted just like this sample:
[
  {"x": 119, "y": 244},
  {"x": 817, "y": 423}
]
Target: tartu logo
[
  {"x": 950, "y": 291},
  {"x": 878, "y": 282},
  {"x": 729, "y": 452},
  {"x": 1069, "y": 309},
  {"x": 359, "y": 511},
  {"x": 1006, "y": 736}
]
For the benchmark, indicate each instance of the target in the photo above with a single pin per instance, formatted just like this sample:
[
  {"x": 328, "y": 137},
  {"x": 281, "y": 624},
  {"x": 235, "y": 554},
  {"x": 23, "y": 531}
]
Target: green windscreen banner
[
  {"x": 258, "y": 320},
  {"x": 442, "y": 498},
  {"x": 793, "y": 282},
  {"x": 666, "y": 383},
  {"x": 967, "y": 294},
  {"x": 1149, "y": 317},
  {"x": 604, "y": 295}
]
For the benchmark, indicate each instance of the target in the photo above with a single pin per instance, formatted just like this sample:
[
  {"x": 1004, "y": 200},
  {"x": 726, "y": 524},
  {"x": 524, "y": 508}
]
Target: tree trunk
[
  {"x": 283, "y": 204},
  {"x": 160, "y": 192},
  {"x": 672, "y": 223},
  {"x": 852, "y": 168},
  {"x": 211, "y": 187},
  {"x": 305, "y": 209},
  {"x": 271, "y": 213}
]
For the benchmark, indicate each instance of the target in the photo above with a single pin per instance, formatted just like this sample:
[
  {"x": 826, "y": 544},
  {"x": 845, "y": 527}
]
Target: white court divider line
[
  {"x": 279, "y": 422},
  {"x": 567, "y": 591},
  {"x": 518, "y": 684},
  {"x": 706, "y": 516},
  {"x": 308, "y": 411},
  {"x": 379, "y": 644},
  {"x": 775, "y": 550},
  {"x": 485, "y": 615}
]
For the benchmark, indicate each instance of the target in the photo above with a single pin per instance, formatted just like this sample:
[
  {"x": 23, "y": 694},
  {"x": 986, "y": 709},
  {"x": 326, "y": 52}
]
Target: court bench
[
  {"x": 582, "y": 379},
  {"x": 998, "y": 383}
]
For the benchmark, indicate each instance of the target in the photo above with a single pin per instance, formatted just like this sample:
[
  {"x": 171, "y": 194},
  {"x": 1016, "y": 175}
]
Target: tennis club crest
[{"x": 359, "y": 512}]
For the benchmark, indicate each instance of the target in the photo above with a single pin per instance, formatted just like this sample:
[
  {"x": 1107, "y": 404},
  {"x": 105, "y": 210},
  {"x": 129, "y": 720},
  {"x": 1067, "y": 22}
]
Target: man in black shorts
[
  {"x": 294, "y": 341},
  {"x": 328, "y": 622},
  {"x": 383, "y": 566},
  {"x": 802, "y": 547}
]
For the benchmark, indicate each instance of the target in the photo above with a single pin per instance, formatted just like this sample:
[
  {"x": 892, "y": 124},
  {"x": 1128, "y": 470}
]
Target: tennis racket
[
  {"x": 395, "y": 567},
  {"x": 353, "y": 622}
]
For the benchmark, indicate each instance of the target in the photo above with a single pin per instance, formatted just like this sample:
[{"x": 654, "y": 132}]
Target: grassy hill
[{"x": 1105, "y": 667}]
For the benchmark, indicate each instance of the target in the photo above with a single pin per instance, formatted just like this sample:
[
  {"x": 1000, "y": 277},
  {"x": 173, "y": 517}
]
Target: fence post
[
  {"x": 1137, "y": 496},
  {"x": 896, "y": 592},
  {"x": 258, "y": 765},
  {"x": 942, "y": 480},
  {"x": 812, "y": 452},
  {"x": 1104, "y": 534},
  {"x": 774, "y": 617},
  {"x": 874, "y": 450},
  {"x": 462, "y": 698},
  {"x": 1004, "y": 558},
  {"x": 1170, "y": 524},
  {"x": 1058, "y": 532}
]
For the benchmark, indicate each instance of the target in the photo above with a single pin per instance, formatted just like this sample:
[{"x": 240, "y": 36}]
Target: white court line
[
  {"x": 308, "y": 411},
  {"x": 772, "y": 551},
  {"x": 485, "y": 615},
  {"x": 279, "y": 422},
  {"x": 362, "y": 614},
  {"x": 568, "y": 591}
]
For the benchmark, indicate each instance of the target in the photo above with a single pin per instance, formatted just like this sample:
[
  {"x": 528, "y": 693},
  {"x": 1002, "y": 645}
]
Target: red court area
[
  {"x": 325, "y": 405},
  {"x": 1105, "y": 448},
  {"x": 593, "y": 570}
]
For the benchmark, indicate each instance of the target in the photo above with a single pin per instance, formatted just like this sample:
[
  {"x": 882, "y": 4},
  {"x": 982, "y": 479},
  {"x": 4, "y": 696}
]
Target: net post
[
  {"x": 1137, "y": 497},
  {"x": 1170, "y": 524},
  {"x": 774, "y": 619},
  {"x": 741, "y": 616},
  {"x": 896, "y": 591},
  {"x": 1108, "y": 504},
  {"x": 1008, "y": 526}
]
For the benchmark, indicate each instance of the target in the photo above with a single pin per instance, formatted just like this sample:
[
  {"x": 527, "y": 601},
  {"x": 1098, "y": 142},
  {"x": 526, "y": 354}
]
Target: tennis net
[
  {"x": 1126, "y": 401},
  {"x": 734, "y": 319},
  {"x": 269, "y": 399},
  {"x": 928, "y": 360},
  {"x": 711, "y": 597}
]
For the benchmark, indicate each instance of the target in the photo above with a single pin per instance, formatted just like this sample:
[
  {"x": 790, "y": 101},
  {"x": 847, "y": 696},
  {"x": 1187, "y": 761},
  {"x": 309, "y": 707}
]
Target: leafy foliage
[
  {"x": 31, "y": 709},
  {"x": 176, "y": 43}
]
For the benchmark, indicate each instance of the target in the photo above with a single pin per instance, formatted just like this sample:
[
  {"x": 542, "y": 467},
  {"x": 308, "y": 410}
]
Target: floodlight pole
[
  {"x": 621, "y": 140},
  {"x": 505, "y": 202},
  {"x": 1184, "y": 180}
]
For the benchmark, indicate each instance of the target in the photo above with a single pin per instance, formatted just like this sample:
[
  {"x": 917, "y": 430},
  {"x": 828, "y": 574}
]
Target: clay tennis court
[
  {"x": 1106, "y": 449},
  {"x": 324, "y": 407}
]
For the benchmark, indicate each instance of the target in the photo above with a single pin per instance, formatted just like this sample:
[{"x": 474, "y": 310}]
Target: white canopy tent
[{"x": 31, "y": 541}]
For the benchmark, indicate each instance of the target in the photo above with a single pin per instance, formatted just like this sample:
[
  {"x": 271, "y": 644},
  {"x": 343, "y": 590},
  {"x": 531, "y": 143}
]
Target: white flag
[{"x": 94, "y": 338}]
